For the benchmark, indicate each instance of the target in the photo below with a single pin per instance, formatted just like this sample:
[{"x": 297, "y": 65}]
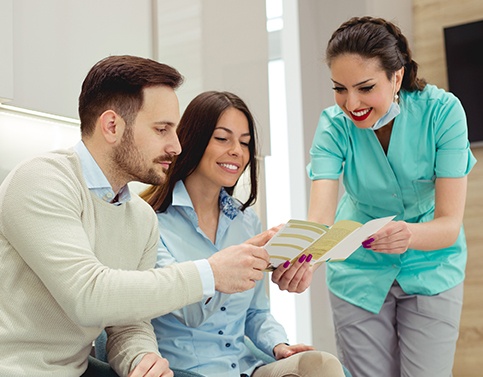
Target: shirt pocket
[{"x": 424, "y": 189}]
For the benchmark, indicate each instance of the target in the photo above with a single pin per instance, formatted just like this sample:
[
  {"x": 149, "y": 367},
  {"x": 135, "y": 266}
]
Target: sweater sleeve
[
  {"x": 127, "y": 345},
  {"x": 41, "y": 217}
]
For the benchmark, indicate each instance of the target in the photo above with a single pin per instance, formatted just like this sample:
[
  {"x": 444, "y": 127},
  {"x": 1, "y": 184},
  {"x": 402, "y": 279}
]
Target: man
[{"x": 77, "y": 248}]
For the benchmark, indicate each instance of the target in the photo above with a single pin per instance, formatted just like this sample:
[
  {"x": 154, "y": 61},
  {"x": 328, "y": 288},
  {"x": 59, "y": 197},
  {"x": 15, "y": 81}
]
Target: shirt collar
[
  {"x": 96, "y": 180},
  {"x": 228, "y": 205}
]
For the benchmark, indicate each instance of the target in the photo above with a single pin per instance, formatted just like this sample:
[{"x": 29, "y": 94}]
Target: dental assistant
[{"x": 402, "y": 147}]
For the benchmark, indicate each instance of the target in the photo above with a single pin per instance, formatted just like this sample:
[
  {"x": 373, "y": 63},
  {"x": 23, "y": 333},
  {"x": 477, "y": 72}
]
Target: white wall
[
  {"x": 23, "y": 136},
  {"x": 218, "y": 45},
  {"x": 235, "y": 55},
  {"x": 6, "y": 50},
  {"x": 178, "y": 42},
  {"x": 57, "y": 41}
]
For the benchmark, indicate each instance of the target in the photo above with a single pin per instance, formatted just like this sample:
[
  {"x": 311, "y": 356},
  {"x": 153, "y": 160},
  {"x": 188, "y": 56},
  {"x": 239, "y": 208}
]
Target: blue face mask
[{"x": 391, "y": 113}]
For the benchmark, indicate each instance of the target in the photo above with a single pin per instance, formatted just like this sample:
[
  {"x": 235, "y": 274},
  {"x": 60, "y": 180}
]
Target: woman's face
[
  {"x": 227, "y": 153},
  {"x": 362, "y": 89}
]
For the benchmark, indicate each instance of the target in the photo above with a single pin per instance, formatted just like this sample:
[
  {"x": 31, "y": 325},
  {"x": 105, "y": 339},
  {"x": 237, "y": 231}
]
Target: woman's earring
[{"x": 396, "y": 97}]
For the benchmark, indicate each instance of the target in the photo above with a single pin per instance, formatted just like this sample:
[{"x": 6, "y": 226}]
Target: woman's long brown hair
[{"x": 195, "y": 131}]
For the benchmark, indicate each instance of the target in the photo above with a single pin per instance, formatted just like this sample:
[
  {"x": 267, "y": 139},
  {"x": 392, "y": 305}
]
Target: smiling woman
[
  {"x": 198, "y": 216},
  {"x": 403, "y": 314},
  {"x": 365, "y": 93},
  {"x": 227, "y": 154}
]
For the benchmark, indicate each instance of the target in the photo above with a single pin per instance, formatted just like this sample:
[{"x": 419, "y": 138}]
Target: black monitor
[{"x": 464, "y": 59}]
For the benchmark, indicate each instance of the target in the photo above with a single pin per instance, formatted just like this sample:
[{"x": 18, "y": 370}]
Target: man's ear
[{"x": 111, "y": 126}]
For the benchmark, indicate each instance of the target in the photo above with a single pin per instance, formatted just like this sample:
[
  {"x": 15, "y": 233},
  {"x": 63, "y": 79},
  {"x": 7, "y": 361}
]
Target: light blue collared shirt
[
  {"x": 208, "y": 337},
  {"x": 96, "y": 180},
  {"x": 98, "y": 184}
]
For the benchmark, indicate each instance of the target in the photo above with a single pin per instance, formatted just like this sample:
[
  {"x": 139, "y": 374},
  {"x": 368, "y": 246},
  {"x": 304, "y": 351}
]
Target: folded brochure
[{"x": 325, "y": 243}]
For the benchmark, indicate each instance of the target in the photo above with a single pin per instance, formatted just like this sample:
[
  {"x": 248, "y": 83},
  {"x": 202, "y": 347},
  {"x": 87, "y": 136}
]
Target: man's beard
[{"x": 129, "y": 162}]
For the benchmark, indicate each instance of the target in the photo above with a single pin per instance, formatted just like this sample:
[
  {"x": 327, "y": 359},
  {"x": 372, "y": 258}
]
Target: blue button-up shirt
[{"x": 208, "y": 337}]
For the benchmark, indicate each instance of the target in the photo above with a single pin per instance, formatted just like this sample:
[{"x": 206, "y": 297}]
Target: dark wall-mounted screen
[{"x": 464, "y": 59}]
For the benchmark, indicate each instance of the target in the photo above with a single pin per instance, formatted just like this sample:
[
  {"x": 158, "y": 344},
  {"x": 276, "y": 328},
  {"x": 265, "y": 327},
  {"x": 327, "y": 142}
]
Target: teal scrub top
[{"x": 429, "y": 140}]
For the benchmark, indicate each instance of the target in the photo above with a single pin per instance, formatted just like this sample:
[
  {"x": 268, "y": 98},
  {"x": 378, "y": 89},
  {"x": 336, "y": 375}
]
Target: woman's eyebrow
[
  {"x": 358, "y": 84},
  {"x": 230, "y": 131}
]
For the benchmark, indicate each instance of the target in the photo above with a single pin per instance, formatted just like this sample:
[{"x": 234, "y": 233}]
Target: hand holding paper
[{"x": 325, "y": 243}]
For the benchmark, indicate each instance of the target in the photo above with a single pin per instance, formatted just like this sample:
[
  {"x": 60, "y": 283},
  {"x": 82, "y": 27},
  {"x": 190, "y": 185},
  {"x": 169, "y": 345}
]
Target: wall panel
[
  {"x": 430, "y": 17},
  {"x": 55, "y": 43}
]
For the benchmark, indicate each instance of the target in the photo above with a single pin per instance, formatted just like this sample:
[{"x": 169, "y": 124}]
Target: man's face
[{"x": 148, "y": 146}]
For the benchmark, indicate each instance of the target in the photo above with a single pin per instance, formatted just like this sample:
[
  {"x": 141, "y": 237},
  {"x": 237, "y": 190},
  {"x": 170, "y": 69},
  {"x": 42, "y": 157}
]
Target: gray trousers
[{"x": 412, "y": 335}]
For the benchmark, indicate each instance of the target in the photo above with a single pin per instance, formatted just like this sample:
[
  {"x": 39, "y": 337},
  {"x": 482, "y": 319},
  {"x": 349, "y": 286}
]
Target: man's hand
[
  {"x": 282, "y": 350},
  {"x": 152, "y": 365},
  {"x": 295, "y": 277},
  {"x": 262, "y": 238},
  {"x": 237, "y": 268}
]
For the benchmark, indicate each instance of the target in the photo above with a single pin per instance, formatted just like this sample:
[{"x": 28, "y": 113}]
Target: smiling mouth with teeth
[
  {"x": 361, "y": 115},
  {"x": 229, "y": 166}
]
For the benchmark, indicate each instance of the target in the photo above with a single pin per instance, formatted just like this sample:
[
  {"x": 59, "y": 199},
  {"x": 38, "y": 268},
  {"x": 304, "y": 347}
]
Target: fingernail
[
  {"x": 367, "y": 243},
  {"x": 302, "y": 258},
  {"x": 309, "y": 258},
  {"x": 286, "y": 264}
]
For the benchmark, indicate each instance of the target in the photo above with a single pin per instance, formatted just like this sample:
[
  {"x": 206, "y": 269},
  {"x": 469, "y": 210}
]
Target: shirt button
[
  {"x": 394, "y": 195},
  {"x": 233, "y": 365},
  {"x": 220, "y": 332},
  {"x": 223, "y": 308},
  {"x": 227, "y": 345}
]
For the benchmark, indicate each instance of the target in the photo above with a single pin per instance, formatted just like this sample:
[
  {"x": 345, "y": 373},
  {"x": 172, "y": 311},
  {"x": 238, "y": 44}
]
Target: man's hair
[{"x": 117, "y": 83}]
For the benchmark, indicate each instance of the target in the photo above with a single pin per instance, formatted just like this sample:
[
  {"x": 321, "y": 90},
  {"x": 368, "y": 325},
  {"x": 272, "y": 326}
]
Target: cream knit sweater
[{"x": 68, "y": 264}]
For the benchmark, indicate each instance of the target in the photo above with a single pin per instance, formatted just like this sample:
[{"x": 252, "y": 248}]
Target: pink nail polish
[
  {"x": 286, "y": 264},
  {"x": 309, "y": 258},
  {"x": 302, "y": 258},
  {"x": 367, "y": 243}
]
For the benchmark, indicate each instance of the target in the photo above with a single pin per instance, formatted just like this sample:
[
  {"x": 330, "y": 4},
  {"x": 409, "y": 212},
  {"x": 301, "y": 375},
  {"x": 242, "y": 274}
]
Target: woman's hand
[
  {"x": 393, "y": 238},
  {"x": 282, "y": 350},
  {"x": 294, "y": 277}
]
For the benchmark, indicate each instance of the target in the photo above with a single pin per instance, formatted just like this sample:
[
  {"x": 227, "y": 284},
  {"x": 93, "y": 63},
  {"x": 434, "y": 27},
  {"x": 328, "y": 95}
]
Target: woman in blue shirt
[
  {"x": 198, "y": 216},
  {"x": 402, "y": 147}
]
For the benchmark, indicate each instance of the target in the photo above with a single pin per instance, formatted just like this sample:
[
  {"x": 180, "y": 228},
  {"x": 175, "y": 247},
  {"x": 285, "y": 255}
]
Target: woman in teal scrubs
[{"x": 402, "y": 147}]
